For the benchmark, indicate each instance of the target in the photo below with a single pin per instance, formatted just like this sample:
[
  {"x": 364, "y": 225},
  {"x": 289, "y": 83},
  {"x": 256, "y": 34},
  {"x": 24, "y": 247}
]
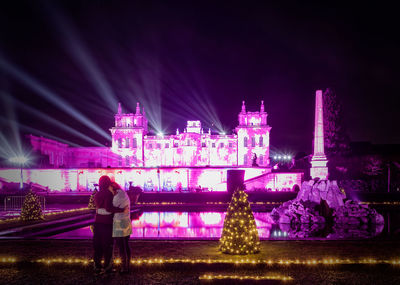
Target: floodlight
[{"x": 20, "y": 159}]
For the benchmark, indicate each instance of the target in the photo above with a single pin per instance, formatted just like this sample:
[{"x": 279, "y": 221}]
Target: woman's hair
[
  {"x": 115, "y": 185},
  {"x": 104, "y": 182}
]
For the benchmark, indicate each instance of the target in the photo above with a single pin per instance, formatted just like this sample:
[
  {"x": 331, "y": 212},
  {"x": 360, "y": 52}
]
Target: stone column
[{"x": 318, "y": 160}]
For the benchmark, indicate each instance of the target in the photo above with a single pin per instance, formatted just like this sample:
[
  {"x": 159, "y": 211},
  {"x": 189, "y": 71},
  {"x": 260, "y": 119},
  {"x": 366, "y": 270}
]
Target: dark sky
[{"x": 183, "y": 57}]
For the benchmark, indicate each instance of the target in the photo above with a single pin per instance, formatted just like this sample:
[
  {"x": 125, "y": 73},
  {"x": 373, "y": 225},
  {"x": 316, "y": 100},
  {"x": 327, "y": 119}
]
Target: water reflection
[{"x": 208, "y": 225}]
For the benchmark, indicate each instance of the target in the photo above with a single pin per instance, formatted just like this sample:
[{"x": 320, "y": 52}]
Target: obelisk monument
[{"x": 318, "y": 160}]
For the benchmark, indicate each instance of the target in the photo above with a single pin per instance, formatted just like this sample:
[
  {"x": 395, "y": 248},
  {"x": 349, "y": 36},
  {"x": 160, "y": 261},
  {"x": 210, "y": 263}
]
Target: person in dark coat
[{"x": 103, "y": 226}]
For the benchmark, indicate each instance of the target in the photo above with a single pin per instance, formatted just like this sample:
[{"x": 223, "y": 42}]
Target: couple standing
[{"x": 112, "y": 220}]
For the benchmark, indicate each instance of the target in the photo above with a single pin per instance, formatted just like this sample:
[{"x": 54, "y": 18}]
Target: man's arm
[{"x": 109, "y": 205}]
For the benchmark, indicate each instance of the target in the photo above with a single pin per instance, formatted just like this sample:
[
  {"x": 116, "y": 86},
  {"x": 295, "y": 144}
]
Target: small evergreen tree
[
  {"x": 239, "y": 235},
  {"x": 31, "y": 209},
  {"x": 91, "y": 204}
]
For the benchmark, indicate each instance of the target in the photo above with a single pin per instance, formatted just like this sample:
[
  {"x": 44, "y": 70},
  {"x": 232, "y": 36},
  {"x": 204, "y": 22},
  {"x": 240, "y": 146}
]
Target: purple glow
[{"x": 132, "y": 146}]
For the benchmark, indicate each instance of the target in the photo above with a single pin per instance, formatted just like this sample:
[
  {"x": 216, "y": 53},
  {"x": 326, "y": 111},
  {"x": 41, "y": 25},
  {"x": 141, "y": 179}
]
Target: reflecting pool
[{"x": 209, "y": 225}]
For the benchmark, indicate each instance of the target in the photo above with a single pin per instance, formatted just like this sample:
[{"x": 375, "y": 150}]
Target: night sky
[{"x": 198, "y": 61}]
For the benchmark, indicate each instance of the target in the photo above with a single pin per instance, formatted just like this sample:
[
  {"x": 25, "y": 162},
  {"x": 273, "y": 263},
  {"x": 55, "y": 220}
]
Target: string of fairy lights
[
  {"x": 239, "y": 235},
  {"x": 206, "y": 203},
  {"x": 390, "y": 203},
  {"x": 237, "y": 262},
  {"x": 31, "y": 209},
  {"x": 245, "y": 277},
  {"x": 50, "y": 214}
]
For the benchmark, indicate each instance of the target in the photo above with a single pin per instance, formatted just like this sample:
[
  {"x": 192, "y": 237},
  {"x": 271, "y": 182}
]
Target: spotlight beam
[
  {"x": 54, "y": 122},
  {"x": 41, "y": 133},
  {"x": 200, "y": 104},
  {"x": 146, "y": 87},
  {"x": 46, "y": 94},
  {"x": 9, "y": 110},
  {"x": 67, "y": 33},
  {"x": 6, "y": 150}
]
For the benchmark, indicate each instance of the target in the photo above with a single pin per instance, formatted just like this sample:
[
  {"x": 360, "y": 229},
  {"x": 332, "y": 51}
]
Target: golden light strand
[
  {"x": 245, "y": 277},
  {"x": 269, "y": 262}
]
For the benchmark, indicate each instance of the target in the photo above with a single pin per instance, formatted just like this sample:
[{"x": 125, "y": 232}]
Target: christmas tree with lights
[
  {"x": 91, "y": 204},
  {"x": 31, "y": 209},
  {"x": 240, "y": 235}
]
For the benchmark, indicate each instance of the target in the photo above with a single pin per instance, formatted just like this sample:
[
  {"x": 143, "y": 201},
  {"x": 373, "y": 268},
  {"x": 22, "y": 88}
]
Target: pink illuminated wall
[
  {"x": 131, "y": 145},
  {"x": 274, "y": 181},
  {"x": 151, "y": 179}
]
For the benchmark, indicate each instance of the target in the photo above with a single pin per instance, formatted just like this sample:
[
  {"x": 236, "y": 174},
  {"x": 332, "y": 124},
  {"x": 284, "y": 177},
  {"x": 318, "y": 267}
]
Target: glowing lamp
[
  {"x": 20, "y": 159},
  {"x": 160, "y": 134}
]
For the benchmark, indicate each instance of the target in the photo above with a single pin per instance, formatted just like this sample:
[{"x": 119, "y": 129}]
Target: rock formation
[{"x": 321, "y": 201}]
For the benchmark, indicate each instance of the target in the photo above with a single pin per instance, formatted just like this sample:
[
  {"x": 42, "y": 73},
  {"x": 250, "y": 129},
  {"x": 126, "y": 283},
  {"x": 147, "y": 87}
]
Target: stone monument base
[{"x": 321, "y": 201}]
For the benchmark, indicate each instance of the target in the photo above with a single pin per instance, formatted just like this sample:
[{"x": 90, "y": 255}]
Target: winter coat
[{"x": 122, "y": 225}]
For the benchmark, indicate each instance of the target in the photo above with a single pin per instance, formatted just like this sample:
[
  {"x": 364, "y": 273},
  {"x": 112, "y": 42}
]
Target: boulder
[
  {"x": 284, "y": 219},
  {"x": 319, "y": 200}
]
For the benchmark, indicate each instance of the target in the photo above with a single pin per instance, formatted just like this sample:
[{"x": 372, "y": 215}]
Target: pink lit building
[
  {"x": 132, "y": 146},
  {"x": 192, "y": 159}
]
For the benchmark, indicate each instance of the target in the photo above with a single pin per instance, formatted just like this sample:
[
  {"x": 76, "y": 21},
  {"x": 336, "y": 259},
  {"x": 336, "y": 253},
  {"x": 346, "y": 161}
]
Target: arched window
[
  {"x": 127, "y": 142},
  {"x": 260, "y": 159},
  {"x": 253, "y": 141},
  {"x": 119, "y": 142},
  {"x": 127, "y": 160},
  {"x": 245, "y": 141},
  {"x": 261, "y": 143},
  {"x": 134, "y": 143},
  {"x": 245, "y": 159},
  {"x": 119, "y": 160}
]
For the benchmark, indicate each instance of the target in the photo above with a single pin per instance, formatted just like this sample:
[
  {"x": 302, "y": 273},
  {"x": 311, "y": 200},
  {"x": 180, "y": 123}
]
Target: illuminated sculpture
[
  {"x": 240, "y": 235},
  {"x": 318, "y": 160}
]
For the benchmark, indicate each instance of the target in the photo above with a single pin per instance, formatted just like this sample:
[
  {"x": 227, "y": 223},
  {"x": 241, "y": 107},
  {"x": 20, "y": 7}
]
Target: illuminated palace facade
[
  {"x": 187, "y": 160},
  {"x": 132, "y": 146}
]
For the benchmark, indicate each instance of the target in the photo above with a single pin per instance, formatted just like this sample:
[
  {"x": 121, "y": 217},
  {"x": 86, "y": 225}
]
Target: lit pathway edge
[
  {"x": 247, "y": 261},
  {"x": 245, "y": 277}
]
